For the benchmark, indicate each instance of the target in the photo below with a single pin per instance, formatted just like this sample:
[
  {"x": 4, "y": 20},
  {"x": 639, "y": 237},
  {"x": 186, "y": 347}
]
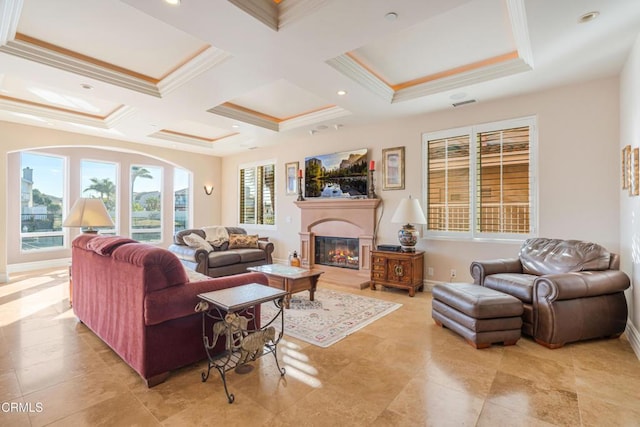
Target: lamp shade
[
  {"x": 409, "y": 212},
  {"x": 88, "y": 213}
]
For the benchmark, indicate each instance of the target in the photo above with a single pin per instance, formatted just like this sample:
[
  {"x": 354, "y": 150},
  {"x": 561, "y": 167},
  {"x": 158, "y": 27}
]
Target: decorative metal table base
[{"x": 237, "y": 352}]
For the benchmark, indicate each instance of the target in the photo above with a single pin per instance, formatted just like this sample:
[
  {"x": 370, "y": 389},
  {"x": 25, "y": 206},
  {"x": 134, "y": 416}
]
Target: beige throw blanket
[{"x": 216, "y": 234}]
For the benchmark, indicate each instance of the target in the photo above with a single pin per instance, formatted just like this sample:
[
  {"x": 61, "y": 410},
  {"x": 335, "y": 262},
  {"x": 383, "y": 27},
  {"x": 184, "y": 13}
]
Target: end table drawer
[{"x": 377, "y": 275}]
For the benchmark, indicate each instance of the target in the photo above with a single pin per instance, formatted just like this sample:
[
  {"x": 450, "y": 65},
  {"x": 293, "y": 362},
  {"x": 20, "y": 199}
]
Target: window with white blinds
[
  {"x": 479, "y": 180},
  {"x": 257, "y": 194}
]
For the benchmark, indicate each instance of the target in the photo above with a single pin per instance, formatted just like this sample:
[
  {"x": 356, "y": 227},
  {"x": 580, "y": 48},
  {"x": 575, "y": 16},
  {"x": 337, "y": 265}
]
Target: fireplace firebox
[{"x": 337, "y": 252}]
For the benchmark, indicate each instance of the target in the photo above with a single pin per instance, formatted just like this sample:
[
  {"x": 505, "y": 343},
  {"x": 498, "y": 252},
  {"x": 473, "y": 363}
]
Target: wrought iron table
[{"x": 244, "y": 342}]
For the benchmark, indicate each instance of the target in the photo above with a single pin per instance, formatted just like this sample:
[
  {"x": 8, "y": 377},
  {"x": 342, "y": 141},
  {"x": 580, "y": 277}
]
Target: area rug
[{"x": 331, "y": 317}]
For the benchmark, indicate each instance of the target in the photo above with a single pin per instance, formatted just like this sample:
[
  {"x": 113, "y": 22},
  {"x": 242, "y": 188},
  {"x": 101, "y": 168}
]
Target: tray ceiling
[{"x": 219, "y": 77}]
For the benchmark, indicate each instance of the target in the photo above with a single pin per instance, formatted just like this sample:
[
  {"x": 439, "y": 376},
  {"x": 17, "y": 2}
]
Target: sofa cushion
[
  {"x": 542, "y": 256},
  {"x": 250, "y": 255},
  {"x": 237, "y": 241},
  {"x": 161, "y": 268},
  {"x": 195, "y": 241},
  {"x": 104, "y": 245},
  {"x": 178, "y": 238},
  {"x": 222, "y": 247},
  {"x": 514, "y": 284},
  {"x": 222, "y": 258}
]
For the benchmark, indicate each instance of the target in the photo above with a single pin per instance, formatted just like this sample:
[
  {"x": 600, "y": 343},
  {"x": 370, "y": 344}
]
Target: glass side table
[{"x": 244, "y": 341}]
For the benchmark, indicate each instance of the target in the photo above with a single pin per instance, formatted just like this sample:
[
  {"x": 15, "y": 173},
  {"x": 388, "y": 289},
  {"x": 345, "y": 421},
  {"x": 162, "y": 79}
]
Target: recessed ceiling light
[
  {"x": 391, "y": 16},
  {"x": 590, "y": 16},
  {"x": 235, "y": 126},
  {"x": 86, "y": 86},
  {"x": 342, "y": 92},
  {"x": 173, "y": 2}
]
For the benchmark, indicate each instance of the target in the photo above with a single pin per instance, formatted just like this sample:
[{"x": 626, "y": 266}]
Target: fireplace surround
[{"x": 340, "y": 218}]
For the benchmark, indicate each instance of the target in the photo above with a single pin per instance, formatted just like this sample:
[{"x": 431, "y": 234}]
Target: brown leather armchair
[{"x": 571, "y": 290}]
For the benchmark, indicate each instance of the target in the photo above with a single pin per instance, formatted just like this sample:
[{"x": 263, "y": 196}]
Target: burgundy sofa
[{"x": 140, "y": 301}]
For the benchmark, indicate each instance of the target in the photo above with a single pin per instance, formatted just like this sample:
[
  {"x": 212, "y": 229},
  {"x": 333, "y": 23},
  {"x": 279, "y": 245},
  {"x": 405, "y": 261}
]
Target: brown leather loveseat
[{"x": 571, "y": 290}]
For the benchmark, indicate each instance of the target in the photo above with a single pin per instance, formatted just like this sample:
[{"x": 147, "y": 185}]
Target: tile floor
[{"x": 401, "y": 370}]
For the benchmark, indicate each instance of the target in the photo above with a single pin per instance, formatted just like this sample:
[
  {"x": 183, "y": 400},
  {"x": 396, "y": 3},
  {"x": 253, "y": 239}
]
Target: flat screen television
[{"x": 341, "y": 174}]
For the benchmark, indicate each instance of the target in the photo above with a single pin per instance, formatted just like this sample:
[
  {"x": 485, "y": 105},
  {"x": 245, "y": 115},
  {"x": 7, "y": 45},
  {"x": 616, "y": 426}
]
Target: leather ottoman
[{"x": 482, "y": 316}]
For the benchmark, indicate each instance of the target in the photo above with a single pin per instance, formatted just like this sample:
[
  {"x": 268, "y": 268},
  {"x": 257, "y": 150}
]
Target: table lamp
[
  {"x": 408, "y": 213},
  {"x": 88, "y": 213}
]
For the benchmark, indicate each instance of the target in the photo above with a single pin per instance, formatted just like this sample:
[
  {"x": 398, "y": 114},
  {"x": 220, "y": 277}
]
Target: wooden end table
[
  {"x": 402, "y": 270},
  {"x": 290, "y": 279}
]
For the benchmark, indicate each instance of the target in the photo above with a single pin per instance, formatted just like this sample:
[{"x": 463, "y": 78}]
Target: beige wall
[
  {"x": 15, "y": 137},
  {"x": 578, "y": 170},
  {"x": 630, "y": 206}
]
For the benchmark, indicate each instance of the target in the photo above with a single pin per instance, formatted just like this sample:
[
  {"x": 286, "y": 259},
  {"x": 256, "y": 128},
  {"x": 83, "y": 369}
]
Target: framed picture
[
  {"x": 626, "y": 168},
  {"x": 342, "y": 174},
  {"x": 636, "y": 179},
  {"x": 393, "y": 168},
  {"x": 291, "y": 171}
]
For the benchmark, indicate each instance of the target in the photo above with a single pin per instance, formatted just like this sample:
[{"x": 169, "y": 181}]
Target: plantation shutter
[
  {"x": 268, "y": 190},
  {"x": 257, "y": 195},
  {"x": 448, "y": 189},
  {"x": 247, "y": 196},
  {"x": 503, "y": 181}
]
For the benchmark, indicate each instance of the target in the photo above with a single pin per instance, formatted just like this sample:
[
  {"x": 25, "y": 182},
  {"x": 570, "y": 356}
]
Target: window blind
[
  {"x": 503, "y": 179},
  {"x": 448, "y": 192},
  {"x": 257, "y": 195}
]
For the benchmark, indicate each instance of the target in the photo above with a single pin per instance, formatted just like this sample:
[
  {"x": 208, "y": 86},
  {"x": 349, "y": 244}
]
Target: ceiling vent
[{"x": 461, "y": 103}]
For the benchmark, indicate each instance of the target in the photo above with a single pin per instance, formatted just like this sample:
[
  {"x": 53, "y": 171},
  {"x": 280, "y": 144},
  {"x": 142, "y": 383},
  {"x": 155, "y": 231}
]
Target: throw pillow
[
  {"x": 238, "y": 241},
  {"x": 195, "y": 241}
]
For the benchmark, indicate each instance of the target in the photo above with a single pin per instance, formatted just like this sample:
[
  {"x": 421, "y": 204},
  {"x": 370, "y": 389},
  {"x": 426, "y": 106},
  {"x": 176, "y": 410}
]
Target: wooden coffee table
[{"x": 290, "y": 279}]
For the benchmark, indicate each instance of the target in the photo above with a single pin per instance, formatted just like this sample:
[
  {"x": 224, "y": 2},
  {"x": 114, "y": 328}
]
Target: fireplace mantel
[{"x": 339, "y": 217}]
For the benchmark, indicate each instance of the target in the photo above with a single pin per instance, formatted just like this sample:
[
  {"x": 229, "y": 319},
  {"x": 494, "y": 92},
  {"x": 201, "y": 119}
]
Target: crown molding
[
  {"x": 291, "y": 12},
  {"x": 45, "y": 112},
  {"x": 189, "y": 139},
  {"x": 54, "y": 59},
  {"x": 209, "y": 58},
  {"x": 265, "y": 11},
  {"x": 313, "y": 118},
  {"x": 263, "y": 121},
  {"x": 277, "y": 16},
  {"x": 244, "y": 116},
  {"x": 350, "y": 68},
  {"x": 9, "y": 16},
  {"x": 119, "y": 115},
  {"x": 518, "y": 19},
  {"x": 489, "y": 72},
  {"x": 524, "y": 62}
]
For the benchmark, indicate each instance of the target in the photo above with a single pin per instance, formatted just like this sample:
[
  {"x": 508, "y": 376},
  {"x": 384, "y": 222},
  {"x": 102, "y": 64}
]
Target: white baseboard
[
  {"x": 634, "y": 338},
  {"x": 4, "y": 277},
  {"x": 37, "y": 265},
  {"x": 429, "y": 284}
]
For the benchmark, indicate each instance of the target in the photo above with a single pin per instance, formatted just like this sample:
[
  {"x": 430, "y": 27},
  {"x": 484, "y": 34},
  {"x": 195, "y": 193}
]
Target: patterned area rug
[{"x": 332, "y": 316}]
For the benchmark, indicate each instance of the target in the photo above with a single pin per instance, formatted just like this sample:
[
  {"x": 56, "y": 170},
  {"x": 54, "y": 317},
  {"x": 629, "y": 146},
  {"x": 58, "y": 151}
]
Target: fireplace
[
  {"x": 351, "y": 220},
  {"x": 337, "y": 252}
]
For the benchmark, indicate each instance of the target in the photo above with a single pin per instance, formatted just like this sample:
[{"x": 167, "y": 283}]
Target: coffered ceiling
[{"x": 223, "y": 76}]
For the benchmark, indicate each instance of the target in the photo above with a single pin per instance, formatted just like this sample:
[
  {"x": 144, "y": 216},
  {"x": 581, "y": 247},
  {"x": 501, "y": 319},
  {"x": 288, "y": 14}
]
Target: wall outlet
[
  {"x": 453, "y": 273},
  {"x": 430, "y": 271}
]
